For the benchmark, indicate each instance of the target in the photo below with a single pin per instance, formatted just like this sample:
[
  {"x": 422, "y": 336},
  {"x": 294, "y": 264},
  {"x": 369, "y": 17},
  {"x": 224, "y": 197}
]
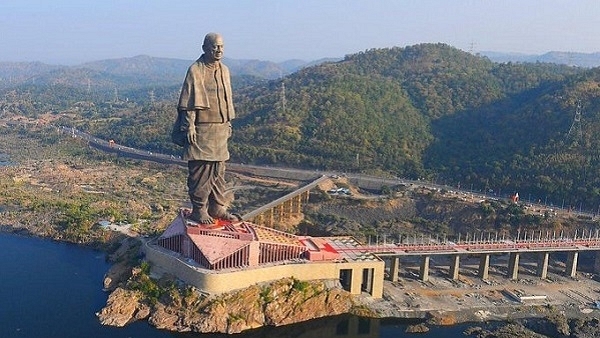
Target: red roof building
[{"x": 227, "y": 245}]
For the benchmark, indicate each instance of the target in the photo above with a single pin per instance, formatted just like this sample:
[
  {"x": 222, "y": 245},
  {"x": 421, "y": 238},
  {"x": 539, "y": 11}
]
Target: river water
[{"x": 50, "y": 289}]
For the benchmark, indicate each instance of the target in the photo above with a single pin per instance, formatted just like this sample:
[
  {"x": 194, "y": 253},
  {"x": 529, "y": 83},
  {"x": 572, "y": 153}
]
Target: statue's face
[{"x": 213, "y": 50}]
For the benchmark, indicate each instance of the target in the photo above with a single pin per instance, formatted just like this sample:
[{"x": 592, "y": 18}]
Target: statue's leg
[
  {"x": 199, "y": 189},
  {"x": 218, "y": 201}
]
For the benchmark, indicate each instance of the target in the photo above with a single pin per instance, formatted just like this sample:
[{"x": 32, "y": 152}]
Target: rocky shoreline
[{"x": 283, "y": 302}]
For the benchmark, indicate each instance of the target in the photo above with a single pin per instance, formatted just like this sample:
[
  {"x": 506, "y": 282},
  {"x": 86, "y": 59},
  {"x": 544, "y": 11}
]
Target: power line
[
  {"x": 576, "y": 125},
  {"x": 283, "y": 99}
]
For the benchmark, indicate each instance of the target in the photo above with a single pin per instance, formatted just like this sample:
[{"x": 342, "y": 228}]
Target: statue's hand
[{"x": 191, "y": 135}]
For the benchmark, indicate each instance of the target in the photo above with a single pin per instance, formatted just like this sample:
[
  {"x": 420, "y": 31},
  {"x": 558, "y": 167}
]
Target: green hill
[
  {"x": 435, "y": 112},
  {"x": 388, "y": 107}
]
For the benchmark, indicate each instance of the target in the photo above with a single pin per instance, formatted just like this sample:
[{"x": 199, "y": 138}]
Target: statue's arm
[{"x": 190, "y": 121}]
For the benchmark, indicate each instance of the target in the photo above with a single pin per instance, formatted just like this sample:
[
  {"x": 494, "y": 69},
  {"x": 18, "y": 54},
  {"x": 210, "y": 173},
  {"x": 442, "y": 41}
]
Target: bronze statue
[{"x": 206, "y": 110}]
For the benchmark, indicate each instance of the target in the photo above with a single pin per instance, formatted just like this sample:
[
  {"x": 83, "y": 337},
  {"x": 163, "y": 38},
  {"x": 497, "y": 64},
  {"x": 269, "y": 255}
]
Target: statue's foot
[
  {"x": 231, "y": 217},
  {"x": 223, "y": 214},
  {"x": 201, "y": 217}
]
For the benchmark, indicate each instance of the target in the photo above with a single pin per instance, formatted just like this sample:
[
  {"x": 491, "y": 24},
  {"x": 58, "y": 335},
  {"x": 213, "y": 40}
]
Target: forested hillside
[
  {"x": 426, "y": 111},
  {"x": 380, "y": 99},
  {"x": 436, "y": 112}
]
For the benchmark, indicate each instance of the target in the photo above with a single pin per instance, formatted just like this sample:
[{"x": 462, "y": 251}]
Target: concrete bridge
[
  {"x": 284, "y": 207},
  {"x": 514, "y": 248}
]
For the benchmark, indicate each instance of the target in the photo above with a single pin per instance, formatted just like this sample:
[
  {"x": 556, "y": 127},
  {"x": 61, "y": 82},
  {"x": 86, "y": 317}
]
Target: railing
[{"x": 499, "y": 246}]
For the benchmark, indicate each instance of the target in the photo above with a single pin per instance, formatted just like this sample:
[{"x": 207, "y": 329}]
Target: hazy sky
[{"x": 75, "y": 31}]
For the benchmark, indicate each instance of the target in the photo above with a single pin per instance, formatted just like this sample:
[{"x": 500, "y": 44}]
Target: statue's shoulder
[
  {"x": 197, "y": 64},
  {"x": 196, "y": 67}
]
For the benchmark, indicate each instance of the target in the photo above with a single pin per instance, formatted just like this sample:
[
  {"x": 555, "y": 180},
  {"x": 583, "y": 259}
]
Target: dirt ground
[{"x": 476, "y": 299}]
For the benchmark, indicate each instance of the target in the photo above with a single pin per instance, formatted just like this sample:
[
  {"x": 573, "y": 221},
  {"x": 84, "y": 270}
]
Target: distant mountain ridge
[
  {"x": 15, "y": 73},
  {"x": 143, "y": 70},
  {"x": 585, "y": 60},
  {"x": 134, "y": 71}
]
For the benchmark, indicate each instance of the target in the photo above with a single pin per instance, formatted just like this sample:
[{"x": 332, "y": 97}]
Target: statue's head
[{"x": 213, "y": 47}]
